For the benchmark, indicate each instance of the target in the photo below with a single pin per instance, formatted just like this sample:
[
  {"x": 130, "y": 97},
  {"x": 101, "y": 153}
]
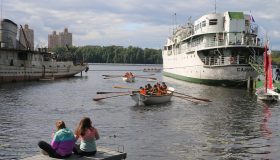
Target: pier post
[
  {"x": 251, "y": 83},
  {"x": 81, "y": 73}
]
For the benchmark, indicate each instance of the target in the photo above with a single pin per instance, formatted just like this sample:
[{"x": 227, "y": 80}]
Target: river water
[{"x": 235, "y": 125}]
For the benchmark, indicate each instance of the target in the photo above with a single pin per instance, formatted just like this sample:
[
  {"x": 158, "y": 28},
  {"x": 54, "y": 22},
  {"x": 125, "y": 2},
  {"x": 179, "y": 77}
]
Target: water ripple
[{"x": 234, "y": 126}]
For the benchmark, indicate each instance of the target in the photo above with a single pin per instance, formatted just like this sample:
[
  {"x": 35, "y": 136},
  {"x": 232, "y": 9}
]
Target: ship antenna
[
  {"x": 1, "y": 8},
  {"x": 174, "y": 23},
  {"x": 215, "y": 6},
  {"x": 175, "y": 19}
]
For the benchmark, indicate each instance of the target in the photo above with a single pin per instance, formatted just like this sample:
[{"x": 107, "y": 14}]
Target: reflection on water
[{"x": 235, "y": 125}]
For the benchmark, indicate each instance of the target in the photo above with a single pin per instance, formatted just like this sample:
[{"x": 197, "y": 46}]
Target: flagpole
[{"x": 1, "y": 8}]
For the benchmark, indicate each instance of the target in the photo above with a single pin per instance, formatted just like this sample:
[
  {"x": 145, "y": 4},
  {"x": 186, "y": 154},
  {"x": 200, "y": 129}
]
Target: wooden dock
[{"x": 101, "y": 154}]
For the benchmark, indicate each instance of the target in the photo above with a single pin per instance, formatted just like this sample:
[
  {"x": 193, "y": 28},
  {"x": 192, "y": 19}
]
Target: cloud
[{"x": 128, "y": 22}]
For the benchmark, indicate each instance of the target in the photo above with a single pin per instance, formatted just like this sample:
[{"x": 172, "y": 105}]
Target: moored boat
[
  {"x": 268, "y": 96},
  {"x": 217, "y": 49},
  {"x": 152, "y": 99},
  {"x": 267, "y": 93},
  {"x": 19, "y": 63}
]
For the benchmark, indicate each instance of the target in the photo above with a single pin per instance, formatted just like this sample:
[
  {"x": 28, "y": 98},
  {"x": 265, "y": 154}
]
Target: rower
[
  {"x": 164, "y": 86},
  {"x": 142, "y": 91},
  {"x": 148, "y": 92},
  {"x": 159, "y": 91},
  {"x": 126, "y": 74},
  {"x": 154, "y": 90}
]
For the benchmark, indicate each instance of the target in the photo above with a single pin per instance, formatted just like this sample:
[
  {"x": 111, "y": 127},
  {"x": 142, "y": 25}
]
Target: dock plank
[{"x": 101, "y": 154}]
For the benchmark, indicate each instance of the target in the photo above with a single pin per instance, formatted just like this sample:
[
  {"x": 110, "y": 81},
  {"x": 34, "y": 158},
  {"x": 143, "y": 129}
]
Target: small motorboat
[
  {"x": 128, "y": 79},
  {"x": 152, "y": 99},
  {"x": 268, "y": 95}
]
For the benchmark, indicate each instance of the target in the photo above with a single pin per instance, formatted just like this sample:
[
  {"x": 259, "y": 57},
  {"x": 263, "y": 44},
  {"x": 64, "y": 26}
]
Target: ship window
[
  {"x": 22, "y": 55},
  {"x": 203, "y": 23},
  {"x": 213, "y": 22}
]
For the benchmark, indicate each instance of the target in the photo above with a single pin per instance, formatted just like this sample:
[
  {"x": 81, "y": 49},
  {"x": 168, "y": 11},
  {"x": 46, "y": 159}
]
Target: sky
[{"x": 140, "y": 23}]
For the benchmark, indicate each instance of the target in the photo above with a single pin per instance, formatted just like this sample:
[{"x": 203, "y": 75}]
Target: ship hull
[
  {"x": 214, "y": 82},
  {"x": 28, "y": 75},
  {"x": 193, "y": 70}
]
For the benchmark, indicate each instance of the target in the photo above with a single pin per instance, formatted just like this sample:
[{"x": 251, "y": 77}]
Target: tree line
[
  {"x": 276, "y": 58},
  {"x": 110, "y": 54}
]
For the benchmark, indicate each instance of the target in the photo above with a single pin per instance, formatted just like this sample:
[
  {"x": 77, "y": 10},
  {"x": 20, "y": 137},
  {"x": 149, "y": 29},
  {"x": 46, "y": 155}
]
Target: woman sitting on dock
[
  {"x": 62, "y": 143},
  {"x": 88, "y": 135}
]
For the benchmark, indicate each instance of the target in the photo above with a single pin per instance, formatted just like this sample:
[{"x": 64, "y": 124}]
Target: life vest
[
  {"x": 155, "y": 90},
  {"x": 143, "y": 91},
  {"x": 158, "y": 91}
]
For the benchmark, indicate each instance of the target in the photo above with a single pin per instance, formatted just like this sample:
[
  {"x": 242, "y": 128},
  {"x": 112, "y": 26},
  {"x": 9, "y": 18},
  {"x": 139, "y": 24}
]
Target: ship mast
[
  {"x": 215, "y": 6},
  {"x": 174, "y": 23},
  {"x": 1, "y": 9}
]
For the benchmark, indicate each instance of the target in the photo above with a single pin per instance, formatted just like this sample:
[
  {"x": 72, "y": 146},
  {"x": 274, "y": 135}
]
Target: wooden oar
[
  {"x": 201, "y": 99},
  {"x": 186, "y": 98},
  {"x": 107, "y": 75},
  {"x": 110, "y": 77},
  {"x": 146, "y": 77},
  {"x": 97, "y": 99},
  {"x": 124, "y": 87},
  {"x": 110, "y": 92}
]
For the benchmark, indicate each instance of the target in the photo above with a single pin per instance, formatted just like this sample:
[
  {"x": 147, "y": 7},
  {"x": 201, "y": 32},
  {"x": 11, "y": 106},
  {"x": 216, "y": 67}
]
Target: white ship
[
  {"x": 217, "y": 49},
  {"x": 24, "y": 64}
]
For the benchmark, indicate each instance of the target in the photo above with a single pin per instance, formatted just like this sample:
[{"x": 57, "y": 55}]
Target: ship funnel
[{"x": 8, "y": 34}]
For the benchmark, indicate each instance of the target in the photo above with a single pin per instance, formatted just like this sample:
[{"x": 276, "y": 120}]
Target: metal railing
[
  {"x": 221, "y": 60},
  {"x": 257, "y": 64}
]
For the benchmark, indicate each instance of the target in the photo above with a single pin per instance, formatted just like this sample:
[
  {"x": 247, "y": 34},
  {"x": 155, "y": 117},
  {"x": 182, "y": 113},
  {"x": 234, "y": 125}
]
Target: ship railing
[
  {"x": 221, "y": 60},
  {"x": 216, "y": 43},
  {"x": 257, "y": 64}
]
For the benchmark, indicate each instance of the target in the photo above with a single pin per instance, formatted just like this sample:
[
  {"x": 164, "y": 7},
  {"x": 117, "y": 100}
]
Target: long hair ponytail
[{"x": 84, "y": 124}]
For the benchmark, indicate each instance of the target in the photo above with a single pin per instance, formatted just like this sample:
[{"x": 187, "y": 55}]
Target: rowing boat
[
  {"x": 129, "y": 79},
  {"x": 152, "y": 99}
]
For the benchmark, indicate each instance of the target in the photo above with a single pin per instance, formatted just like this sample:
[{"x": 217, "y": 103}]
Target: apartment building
[{"x": 61, "y": 39}]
